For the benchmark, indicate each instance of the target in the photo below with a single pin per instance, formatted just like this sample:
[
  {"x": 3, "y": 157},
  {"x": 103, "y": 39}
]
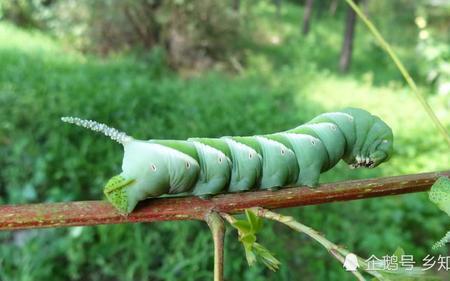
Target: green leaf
[
  {"x": 250, "y": 256},
  {"x": 243, "y": 226},
  {"x": 248, "y": 238},
  {"x": 254, "y": 220},
  {"x": 247, "y": 230},
  {"x": 440, "y": 194},
  {"x": 444, "y": 240},
  {"x": 266, "y": 257}
]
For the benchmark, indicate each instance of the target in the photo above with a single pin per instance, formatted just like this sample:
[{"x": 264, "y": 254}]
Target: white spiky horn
[{"x": 95, "y": 126}]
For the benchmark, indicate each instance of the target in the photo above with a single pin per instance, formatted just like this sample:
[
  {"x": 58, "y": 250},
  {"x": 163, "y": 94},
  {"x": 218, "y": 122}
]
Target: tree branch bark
[
  {"x": 307, "y": 17},
  {"x": 347, "y": 46},
  {"x": 188, "y": 208}
]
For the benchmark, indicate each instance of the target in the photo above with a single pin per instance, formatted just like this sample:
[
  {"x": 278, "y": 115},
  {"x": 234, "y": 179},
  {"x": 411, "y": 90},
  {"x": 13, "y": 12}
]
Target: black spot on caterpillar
[{"x": 208, "y": 166}]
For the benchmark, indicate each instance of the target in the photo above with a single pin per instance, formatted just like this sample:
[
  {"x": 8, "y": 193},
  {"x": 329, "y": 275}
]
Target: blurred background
[{"x": 179, "y": 69}]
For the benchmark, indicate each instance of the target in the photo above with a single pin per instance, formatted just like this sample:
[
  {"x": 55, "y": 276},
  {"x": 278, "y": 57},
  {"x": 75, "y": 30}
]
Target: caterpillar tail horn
[{"x": 95, "y": 126}]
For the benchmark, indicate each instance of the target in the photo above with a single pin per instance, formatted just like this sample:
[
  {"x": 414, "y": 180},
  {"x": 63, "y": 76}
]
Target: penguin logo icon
[{"x": 351, "y": 262}]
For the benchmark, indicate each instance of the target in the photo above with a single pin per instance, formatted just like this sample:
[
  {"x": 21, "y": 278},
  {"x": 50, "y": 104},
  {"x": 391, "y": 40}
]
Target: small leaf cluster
[{"x": 247, "y": 230}]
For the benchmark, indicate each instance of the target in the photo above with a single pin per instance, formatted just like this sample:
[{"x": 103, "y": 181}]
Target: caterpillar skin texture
[{"x": 208, "y": 166}]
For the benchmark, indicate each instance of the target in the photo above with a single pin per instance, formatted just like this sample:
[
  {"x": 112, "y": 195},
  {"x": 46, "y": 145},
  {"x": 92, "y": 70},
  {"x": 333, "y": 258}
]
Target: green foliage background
[{"x": 287, "y": 79}]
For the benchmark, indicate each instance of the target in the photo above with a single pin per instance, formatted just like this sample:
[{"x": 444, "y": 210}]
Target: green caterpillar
[{"x": 208, "y": 166}]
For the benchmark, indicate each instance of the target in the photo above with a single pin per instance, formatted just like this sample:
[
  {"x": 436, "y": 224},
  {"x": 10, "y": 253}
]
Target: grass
[{"x": 287, "y": 80}]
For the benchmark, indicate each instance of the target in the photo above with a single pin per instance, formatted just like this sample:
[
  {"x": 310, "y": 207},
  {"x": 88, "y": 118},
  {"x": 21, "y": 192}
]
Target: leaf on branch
[
  {"x": 266, "y": 257},
  {"x": 444, "y": 240},
  {"x": 249, "y": 255},
  {"x": 242, "y": 225},
  {"x": 247, "y": 230},
  {"x": 255, "y": 222},
  {"x": 440, "y": 194},
  {"x": 248, "y": 238}
]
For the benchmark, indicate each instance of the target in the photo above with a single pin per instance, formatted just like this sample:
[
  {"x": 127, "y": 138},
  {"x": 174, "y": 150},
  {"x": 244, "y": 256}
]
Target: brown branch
[{"x": 188, "y": 208}]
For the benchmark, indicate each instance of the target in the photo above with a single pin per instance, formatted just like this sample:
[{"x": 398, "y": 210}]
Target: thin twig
[
  {"x": 337, "y": 251},
  {"x": 402, "y": 69},
  {"x": 217, "y": 228},
  {"x": 230, "y": 219},
  {"x": 340, "y": 258}
]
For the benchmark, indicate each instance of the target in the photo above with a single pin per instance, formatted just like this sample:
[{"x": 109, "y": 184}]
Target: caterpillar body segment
[
  {"x": 186, "y": 147},
  {"x": 312, "y": 157},
  {"x": 166, "y": 170},
  {"x": 345, "y": 124},
  {"x": 208, "y": 166},
  {"x": 331, "y": 137},
  {"x": 219, "y": 144},
  {"x": 279, "y": 164},
  {"x": 246, "y": 166},
  {"x": 215, "y": 170}
]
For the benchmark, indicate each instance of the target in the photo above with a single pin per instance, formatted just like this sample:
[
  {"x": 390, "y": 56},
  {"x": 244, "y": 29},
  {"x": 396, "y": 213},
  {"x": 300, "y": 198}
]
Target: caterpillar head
[
  {"x": 142, "y": 167},
  {"x": 374, "y": 140},
  {"x": 382, "y": 151},
  {"x": 148, "y": 169}
]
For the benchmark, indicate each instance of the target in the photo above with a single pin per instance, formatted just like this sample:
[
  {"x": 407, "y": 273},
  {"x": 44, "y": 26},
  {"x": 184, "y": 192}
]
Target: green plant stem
[
  {"x": 338, "y": 252},
  {"x": 340, "y": 258},
  {"x": 402, "y": 69},
  {"x": 230, "y": 219},
  {"x": 217, "y": 227}
]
